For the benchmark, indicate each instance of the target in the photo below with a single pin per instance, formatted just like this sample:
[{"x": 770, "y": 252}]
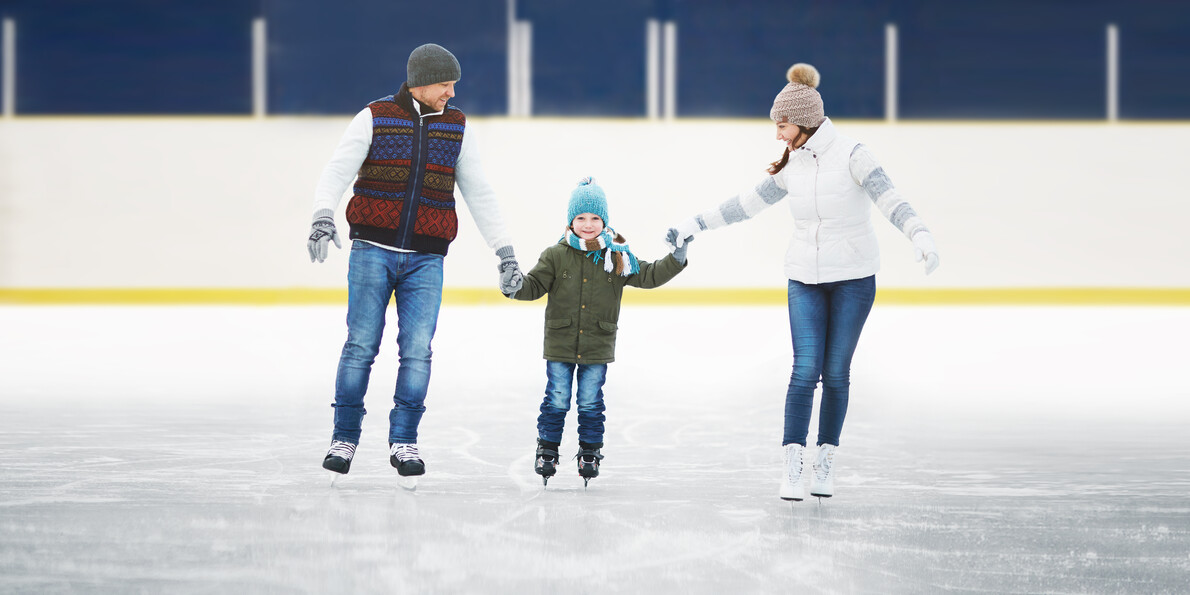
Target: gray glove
[
  {"x": 511, "y": 279},
  {"x": 671, "y": 238},
  {"x": 321, "y": 230}
]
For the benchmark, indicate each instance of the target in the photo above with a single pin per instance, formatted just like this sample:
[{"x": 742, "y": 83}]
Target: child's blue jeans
[{"x": 588, "y": 398}]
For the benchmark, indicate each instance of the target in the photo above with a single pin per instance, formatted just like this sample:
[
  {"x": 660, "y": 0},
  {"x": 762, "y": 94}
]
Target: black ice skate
[
  {"x": 338, "y": 458},
  {"x": 588, "y": 460},
  {"x": 408, "y": 462},
  {"x": 547, "y": 460}
]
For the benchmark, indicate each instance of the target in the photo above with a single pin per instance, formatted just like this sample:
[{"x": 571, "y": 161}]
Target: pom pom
[
  {"x": 803, "y": 74},
  {"x": 586, "y": 181}
]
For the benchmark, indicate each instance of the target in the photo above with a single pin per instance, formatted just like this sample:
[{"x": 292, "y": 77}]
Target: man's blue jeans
[
  {"x": 373, "y": 276},
  {"x": 588, "y": 399},
  {"x": 825, "y": 321}
]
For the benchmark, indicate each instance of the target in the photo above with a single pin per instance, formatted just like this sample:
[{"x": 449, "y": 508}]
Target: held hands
[
  {"x": 511, "y": 279},
  {"x": 671, "y": 238},
  {"x": 684, "y": 232},
  {"x": 322, "y": 230},
  {"x": 924, "y": 249}
]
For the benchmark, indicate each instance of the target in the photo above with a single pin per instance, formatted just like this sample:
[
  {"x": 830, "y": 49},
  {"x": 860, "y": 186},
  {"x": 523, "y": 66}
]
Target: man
[{"x": 405, "y": 153}]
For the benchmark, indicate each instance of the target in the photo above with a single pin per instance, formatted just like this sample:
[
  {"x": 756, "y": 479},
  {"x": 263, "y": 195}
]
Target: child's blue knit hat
[{"x": 587, "y": 198}]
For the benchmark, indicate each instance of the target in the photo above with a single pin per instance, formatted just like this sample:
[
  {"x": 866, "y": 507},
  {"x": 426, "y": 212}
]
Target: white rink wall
[{"x": 151, "y": 202}]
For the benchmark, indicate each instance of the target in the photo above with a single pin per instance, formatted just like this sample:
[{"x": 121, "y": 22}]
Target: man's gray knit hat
[
  {"x": 799, "y": 102},
  {"x": 430, "y": 64}
]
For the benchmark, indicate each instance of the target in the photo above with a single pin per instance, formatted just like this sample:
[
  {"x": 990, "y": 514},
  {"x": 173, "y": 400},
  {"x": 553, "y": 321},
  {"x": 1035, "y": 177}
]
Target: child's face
[{"x": 587, "y": 225}]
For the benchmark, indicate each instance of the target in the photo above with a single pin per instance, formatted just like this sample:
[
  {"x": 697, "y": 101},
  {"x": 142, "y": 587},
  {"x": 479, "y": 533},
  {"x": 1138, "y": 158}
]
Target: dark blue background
[{"x": 958, "y": 58}]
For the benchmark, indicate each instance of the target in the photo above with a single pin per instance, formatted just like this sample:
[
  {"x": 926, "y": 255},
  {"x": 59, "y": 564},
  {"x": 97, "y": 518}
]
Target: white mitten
[
  {"x": 677, "y": 235},
  {"x": 924, "y": 249}
]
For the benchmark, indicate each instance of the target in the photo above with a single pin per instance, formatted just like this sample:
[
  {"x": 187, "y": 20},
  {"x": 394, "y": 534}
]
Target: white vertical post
[
  {"x": 9, "y": 33},
  {"x": 652, "y": 68},
  {"x": 1113, "y": 73},
  {"x": 514, "y": 60},
  {"x": 260, "y": 78},
  {"x": 670, "y": 35},
  {"x": 524, "y": 31},
  {"x": 890, "y": 72},
  {"x": 520, "y": 64}
]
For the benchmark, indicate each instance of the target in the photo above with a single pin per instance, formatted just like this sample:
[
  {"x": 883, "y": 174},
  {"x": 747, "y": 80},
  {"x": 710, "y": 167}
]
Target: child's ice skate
[
  {"x": 405, "y": 458},
  {"x": 547, "y": 460},
  {"x": 338, "y": 458},
  {"x": 588, "y": 460}
]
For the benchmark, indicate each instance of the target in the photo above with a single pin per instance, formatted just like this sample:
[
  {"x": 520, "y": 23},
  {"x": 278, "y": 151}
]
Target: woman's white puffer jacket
[{"x": 833, "y": 237}]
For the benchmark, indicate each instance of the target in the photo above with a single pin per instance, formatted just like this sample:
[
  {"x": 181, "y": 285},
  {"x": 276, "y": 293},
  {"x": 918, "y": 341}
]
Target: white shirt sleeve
[
  {"x": 745, "y": 205},
  {"x": 344, "y": 165},
  {"x": 867, "y": 172},
  {"x": 478, "y": 193}
]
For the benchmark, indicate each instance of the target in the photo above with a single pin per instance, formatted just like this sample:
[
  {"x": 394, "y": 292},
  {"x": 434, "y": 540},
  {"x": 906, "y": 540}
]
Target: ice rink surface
[{"x": 987, "y": 450}]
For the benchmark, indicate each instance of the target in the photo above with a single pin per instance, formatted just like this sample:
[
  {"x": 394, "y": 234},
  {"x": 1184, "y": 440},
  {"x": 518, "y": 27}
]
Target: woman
[{"x": 831, "y": 181}]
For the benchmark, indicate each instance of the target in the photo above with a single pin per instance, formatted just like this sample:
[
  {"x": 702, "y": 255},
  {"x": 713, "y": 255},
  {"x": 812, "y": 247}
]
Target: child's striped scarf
[{"x": 610, "y": 247}]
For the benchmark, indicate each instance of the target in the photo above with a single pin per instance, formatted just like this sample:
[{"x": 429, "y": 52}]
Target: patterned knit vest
[{"x": 404, "y": 193}]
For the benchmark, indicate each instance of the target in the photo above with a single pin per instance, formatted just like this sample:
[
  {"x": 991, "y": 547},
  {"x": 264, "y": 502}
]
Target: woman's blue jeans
[
  {"x": 588, "y": 399},
  {"x": 374, "y": 275},
  {"x": 825, "y": 321}
]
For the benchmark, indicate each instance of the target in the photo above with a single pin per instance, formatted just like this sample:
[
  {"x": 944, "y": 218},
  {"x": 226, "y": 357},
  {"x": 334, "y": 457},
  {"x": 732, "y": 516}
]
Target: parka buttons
[{"x": 580, "y": 357}]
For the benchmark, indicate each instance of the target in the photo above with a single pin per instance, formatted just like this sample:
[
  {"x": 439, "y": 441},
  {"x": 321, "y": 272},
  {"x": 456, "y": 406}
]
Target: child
[{"x": 584, "y": 275}]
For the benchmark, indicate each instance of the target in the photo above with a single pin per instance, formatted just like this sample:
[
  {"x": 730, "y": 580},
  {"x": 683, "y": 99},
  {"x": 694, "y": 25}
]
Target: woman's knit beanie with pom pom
[{"x": 799, "y": 102}]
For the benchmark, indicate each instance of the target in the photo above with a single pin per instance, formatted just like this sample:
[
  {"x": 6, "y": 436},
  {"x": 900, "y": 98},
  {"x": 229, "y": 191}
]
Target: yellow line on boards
[{"x": 1025, "y": 296}]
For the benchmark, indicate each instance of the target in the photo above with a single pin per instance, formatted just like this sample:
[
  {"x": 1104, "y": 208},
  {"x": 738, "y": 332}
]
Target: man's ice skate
[
  {"x": 588, "y": 461},
  {"x": 791, "y": 481},
  {"x": 547, "y": 460},
  {"x": 408, "y": 463},
  {"x": 822, "y": 483},
  {"x": 338, "y": 458}
]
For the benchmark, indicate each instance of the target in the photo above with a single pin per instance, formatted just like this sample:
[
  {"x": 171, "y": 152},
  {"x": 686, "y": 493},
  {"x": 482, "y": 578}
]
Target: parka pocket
[
  {"x": 609, "y": 327},
  {"x": 558, "y": 322}
]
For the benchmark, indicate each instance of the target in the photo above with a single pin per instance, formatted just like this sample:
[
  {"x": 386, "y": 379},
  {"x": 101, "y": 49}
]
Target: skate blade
[
  {"x": 408, "y": 482},
  {"x": 335, "y": 478}
]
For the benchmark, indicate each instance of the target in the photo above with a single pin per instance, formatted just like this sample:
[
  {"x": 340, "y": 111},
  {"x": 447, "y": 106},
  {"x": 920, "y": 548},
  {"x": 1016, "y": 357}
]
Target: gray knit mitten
[
  {"x": 321, "y": 230},
  {"x": 671, "y": 239},
  {"x": 511, "y": 279}
]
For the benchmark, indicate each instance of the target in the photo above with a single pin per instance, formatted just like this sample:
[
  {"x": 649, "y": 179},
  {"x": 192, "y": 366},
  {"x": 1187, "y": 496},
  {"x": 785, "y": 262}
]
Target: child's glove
[
  {"x": 511, "y": 279},
  {"x": 677, "y": 236},
  {"x": 322, "y": 230},
  {"x": 924, "y": 249},
  {"x": 679, "y": 253}
]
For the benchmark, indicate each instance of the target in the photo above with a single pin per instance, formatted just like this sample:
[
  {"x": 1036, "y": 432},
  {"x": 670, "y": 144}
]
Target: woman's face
[
  {"x": 587, "y": 225},
  {"x": 791, "y": 135}
]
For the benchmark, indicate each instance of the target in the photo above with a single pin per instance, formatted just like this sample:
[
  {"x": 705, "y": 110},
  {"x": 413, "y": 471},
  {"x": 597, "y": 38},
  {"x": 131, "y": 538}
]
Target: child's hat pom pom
[{"x": 803, "y": 74}]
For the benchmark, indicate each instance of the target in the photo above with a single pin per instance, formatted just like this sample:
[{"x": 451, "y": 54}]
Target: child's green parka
[{"x": 583, "y": 309}]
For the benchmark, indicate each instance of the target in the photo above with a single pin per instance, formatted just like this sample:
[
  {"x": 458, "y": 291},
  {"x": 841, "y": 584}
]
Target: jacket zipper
[
  {"x": 409, "y": 213},
  {"x": 818, "y": 229}
]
